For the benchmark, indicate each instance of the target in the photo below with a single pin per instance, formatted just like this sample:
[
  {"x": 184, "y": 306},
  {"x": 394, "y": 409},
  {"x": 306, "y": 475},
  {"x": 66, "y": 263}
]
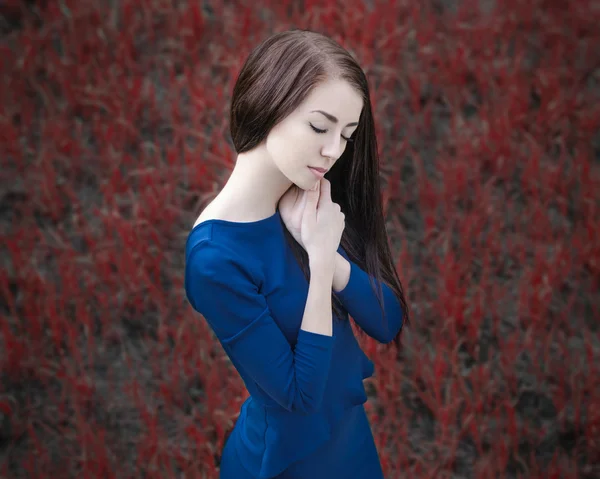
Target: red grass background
[{"x": 113, "y": 136}]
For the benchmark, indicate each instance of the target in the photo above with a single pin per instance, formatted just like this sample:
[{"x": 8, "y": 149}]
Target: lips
[{"x": 320, "y": 170}]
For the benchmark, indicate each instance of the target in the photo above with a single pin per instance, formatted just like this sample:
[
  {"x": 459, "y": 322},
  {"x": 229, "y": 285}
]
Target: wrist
[{"x": 322, "y": 263}]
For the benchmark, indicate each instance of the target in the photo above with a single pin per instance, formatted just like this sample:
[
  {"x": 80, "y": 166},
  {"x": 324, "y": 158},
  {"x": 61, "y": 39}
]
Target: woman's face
[{"x": 294, "y": 145}]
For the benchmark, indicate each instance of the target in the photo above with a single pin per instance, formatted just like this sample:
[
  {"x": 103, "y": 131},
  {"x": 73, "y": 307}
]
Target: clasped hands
[{"x": 291, "y": 207}]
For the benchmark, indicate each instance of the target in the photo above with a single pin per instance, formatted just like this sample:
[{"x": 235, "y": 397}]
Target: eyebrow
[{"x": 333, "y": 118}]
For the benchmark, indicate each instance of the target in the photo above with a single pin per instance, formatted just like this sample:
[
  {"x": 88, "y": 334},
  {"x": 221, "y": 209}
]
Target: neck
[{"x": 255, "y": 185}]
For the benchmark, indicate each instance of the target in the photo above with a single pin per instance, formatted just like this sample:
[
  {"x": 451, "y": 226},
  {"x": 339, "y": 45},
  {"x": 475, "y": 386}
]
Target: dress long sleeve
[
  {"x": 359, "y": 299},
  {"x": 222, "y": 288}
]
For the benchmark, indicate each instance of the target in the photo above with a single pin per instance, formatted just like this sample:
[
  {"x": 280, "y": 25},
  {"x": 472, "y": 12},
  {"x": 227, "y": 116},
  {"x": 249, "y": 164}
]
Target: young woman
[{"x": 285, "y": 254}]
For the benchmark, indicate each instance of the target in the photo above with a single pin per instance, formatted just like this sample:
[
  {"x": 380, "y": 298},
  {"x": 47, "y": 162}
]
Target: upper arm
[{"x": 225, "y": 292}]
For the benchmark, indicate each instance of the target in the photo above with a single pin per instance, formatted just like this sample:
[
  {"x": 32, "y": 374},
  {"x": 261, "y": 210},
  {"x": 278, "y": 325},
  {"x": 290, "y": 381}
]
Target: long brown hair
[{"x": 276, "y": 77}]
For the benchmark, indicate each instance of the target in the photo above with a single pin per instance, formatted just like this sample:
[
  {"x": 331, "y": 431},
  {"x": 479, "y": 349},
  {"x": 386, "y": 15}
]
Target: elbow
[
  {"x": 392, "y": 331},
  {"x": 386, "y": 339},
  {"x": 393, "y": 319}
]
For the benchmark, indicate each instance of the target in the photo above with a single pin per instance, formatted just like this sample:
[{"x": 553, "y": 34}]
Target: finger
[
  {"x": 312, "y": 197},
  {"x": 325, "y": 189},
  {"x": 302, "y": 203}
]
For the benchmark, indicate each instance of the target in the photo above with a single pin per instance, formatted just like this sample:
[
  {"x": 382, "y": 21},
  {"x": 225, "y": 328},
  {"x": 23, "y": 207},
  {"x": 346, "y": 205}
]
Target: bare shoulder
[
  {"x": 216, "y": 210},
  {"x": 222, "y": 209},
  {"x": 208, "y": 213}
]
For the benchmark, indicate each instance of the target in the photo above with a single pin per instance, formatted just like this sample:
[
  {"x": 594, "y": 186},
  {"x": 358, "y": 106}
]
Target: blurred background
[{"x": 114, "y": 135}]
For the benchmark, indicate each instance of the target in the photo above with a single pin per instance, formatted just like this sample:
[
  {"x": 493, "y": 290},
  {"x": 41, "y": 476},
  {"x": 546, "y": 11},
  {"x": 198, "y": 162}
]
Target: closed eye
[{"x": 349, "y": 140}]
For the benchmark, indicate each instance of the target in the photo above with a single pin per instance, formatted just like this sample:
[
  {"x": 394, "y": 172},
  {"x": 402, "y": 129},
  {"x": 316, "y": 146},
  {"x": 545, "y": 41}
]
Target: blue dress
[{"x": 305, "y": 415}]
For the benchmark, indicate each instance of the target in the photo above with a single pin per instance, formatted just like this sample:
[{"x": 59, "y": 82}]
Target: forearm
[
  {"x": 341, "y": 275},
  {"x": 317, "y": 316}
]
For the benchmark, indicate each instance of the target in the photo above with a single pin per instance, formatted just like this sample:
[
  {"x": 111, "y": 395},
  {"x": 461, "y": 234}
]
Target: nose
[{"x": 333, "y": 148}]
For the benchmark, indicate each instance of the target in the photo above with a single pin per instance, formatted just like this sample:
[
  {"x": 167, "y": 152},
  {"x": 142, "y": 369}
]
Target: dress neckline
[{"x": 237, "y": 224}]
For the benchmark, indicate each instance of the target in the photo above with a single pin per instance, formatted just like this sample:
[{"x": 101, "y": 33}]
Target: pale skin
[
  {"x": 291, "y": 207},
  {"x": 341, "y": 275},
  {"x": 278, "y": 168}
]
